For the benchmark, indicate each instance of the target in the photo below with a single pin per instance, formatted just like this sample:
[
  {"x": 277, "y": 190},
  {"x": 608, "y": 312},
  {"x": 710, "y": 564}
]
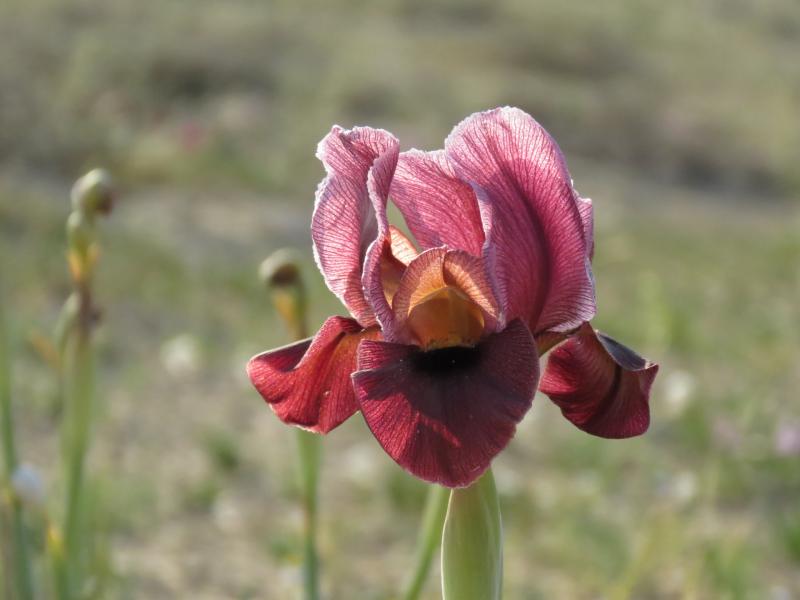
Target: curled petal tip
[
  {"x": 308, "y": 383},
  {"x": 601, "y": 386}
]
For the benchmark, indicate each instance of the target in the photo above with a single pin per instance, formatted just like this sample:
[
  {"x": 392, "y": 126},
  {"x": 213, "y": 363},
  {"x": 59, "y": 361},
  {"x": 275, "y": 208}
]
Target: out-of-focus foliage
[
  {"x": 705, "y": 91},
  {"x": 678, "y": 118}
]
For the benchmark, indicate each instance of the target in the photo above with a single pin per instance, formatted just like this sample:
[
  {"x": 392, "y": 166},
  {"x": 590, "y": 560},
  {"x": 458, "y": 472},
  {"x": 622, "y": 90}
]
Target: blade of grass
[
  {"x": 20, "y": 554},
  {"x": 429, "y": 537}
]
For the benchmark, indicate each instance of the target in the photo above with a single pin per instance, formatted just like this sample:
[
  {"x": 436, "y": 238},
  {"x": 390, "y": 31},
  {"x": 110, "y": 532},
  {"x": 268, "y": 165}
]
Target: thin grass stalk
[
  {"x": 19, "y": 554},
  {"x": 429, "y": 538}
]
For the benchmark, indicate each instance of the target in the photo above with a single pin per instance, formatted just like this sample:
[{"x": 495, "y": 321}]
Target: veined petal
[
  {"x": 344, "y": 222},
  {"x": 444, "y": 415},
  {"x": 586, "y": 208},
  {"x": 439, "y": 208},
  {"x": 379, "y": 254},
  {"x": 396, "y": 256},
  {"x": 548, "y": 340},
  {"x": 308, "y": 383},
  {"x": 434, "y": 270},
  {"x": 601, "y": 386},
  {"x": 535, "y": 240},
  {"x": 403, "y": 249}
]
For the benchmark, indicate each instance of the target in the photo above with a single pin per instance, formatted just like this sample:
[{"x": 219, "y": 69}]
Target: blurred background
[{"x": 681, "y": 120}]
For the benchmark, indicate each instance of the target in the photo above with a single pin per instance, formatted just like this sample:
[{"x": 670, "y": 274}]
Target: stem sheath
[{"x": 472, "y": 543}]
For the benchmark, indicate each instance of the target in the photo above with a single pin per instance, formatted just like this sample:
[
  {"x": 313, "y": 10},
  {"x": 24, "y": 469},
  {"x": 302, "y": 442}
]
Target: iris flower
[{"x": 441, "y": 351}]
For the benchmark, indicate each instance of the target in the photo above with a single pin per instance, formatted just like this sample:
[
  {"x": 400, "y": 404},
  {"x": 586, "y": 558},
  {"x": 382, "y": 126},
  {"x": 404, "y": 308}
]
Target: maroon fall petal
[
  {"x": 601, "y": 386},
  {"x": 439, "y": 208},
  {"x": 308, "y": 383},
  {"x": 344, "y": 222},
  {"x": 536, "y": 244},
  {"x": 443, "y": 415}
]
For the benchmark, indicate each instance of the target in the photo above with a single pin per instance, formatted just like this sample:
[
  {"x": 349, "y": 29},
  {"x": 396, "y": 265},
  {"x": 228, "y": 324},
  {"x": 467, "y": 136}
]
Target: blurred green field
[{"x": 679, "y": 119}]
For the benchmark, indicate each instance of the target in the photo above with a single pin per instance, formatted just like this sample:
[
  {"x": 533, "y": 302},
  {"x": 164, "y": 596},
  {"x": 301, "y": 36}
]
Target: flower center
[{"x": 445, "y": 318}]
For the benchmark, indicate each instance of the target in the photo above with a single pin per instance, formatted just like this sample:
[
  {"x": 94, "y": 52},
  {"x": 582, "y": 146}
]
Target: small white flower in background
[
  {"x": 678, "y": 388},
  {"x": 684, "y": 487},
  {"x": 180, "y": 355},
  {"x": 787, "y": 439},
  {"x": 28, "y": 485}
]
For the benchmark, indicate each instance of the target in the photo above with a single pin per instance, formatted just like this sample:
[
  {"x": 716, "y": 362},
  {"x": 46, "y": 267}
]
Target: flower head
[{"x": 441, "y": 353}]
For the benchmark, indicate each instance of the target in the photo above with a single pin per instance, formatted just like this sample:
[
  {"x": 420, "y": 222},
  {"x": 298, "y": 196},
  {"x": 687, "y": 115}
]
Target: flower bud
[
  {"x": 93, "y": 194},
  {"x": 28, "y": 485},
  {"x": 280, "y": 273},
  {"x": 280, "y": 269}
]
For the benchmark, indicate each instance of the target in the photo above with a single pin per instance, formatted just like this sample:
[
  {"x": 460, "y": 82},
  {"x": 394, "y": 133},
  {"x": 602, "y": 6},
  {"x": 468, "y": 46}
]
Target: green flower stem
[
  {"x": 309, "y": 447},
  {"x": 282, "y": 277},
  {"x": 429, "y": 538},
  {"x": 472, "y": 543},
  {"x": 20, "y": 551},
  {"x": 79, "y": 362},
  {"x": 310, "y": 450}
]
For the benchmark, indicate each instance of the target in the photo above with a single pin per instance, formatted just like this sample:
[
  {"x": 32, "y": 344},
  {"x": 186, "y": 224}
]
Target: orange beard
[{"x": 445, "y": 318}]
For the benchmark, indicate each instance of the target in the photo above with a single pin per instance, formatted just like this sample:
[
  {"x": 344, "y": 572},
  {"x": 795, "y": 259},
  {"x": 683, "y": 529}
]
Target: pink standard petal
[
  {"x": 586, "y": 208},
  {"x": 536, "y": 243},
  {"x": 379, "y": 252},
  {"x": 444, "y": 415},
  {"x": 439, "y": 208},
  {"x": 344, "y": 222},
  {"x": 601, "y": 386},
  {"x": 308, "y": 383}
]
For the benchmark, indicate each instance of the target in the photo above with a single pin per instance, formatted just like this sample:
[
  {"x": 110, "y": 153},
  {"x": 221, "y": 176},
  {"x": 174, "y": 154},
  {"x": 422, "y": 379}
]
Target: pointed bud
[
  {"x": 281, "y": 274},
  {"x": 280, "y": 269},
  {"x": 93, "y": 194}
]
